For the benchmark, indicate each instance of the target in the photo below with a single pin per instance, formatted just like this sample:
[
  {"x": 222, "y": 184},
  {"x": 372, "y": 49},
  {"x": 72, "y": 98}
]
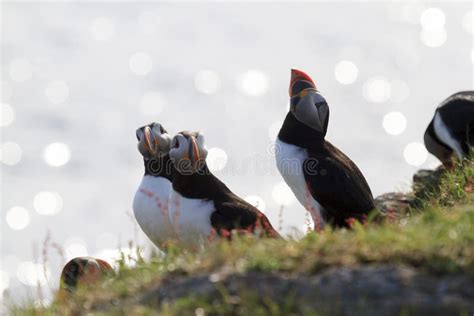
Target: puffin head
[
  {"x": 188, "y": 152},
  {"x": 83, "y": 270},
  {"x": 306, "y": 103},
  {"x": 153, "y": 140}
]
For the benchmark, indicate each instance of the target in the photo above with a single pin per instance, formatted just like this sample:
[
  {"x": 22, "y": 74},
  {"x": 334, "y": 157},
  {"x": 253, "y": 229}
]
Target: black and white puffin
[
  {"x": 201, "y": 206},
  {"x": 150, "y": 205},
  {"x": 324, "y": 180},
  {"x": 81, "y": 271},
  {"x": 451, "y": 131}
]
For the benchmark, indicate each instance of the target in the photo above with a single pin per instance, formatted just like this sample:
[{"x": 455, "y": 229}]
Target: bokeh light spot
[
  {"x": 282, "y": 194},
  {"x": 10, "y": 153},
  {"x": 6, "y": 114},
  {"x": 57, "y": 154},
  {"x": 33, "y": 274},
  {"x": 57, "y": 91},
  {"x": 468, "y": 22},
  {"x": 346, "y": 72},
  {"x": 433, "y": 38},
  {"x": 432, "y": 19},
  {"x": 377, "y": 90},
  {"x": 102, "y": 29},
  {"x": 216, "y": 159},
  {"x": 415, "y": 154},
  {"x": 394, "y": 123},
  {"x": 18, "y": 218},
  {"x": 48, "y": 203},
  {"x": 253, "y": 83},
  {"x": 75, "y": 247}
]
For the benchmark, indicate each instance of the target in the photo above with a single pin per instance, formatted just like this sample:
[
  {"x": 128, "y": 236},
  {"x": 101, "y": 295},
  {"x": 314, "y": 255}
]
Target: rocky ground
[
  {"x": 363, "y": 290},
  {"x": 417, "y": 258}
]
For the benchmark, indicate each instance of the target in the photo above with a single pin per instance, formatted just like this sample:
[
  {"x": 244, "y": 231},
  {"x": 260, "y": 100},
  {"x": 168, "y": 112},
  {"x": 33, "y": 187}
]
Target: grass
[{"x": 437, "y": 237}]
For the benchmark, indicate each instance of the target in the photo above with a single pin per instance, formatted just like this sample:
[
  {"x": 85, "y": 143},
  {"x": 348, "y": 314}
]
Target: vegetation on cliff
[{"x": 436, "y": 237}]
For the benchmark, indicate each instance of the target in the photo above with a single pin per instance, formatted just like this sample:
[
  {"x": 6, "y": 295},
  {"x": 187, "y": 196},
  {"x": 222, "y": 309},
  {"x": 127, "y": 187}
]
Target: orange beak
[
  {"x": 150, "y": 145},
  {"x": 193, "y": 150}
]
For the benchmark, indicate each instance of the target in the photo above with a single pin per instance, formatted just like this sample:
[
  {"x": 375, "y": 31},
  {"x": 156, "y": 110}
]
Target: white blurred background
[{"x": 77, "y": 79}]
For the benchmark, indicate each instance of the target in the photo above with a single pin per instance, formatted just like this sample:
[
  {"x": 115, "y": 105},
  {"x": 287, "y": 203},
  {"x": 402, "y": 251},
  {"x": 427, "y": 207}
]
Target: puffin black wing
[
  {"x": 338, "y": 185},
  {"x": 236, "y": 213}
]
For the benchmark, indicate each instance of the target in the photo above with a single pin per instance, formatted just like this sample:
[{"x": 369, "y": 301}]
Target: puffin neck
[
  {"x": 435, "y": 137},
  {"x": 296, "y": 133},
  {"x": 159, "y": 167},
  {"x": 200, "y": 185}
]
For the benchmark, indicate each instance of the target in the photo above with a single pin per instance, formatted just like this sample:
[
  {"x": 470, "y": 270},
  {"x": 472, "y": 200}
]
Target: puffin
[
  {"x": 202, "y": 207},
  {"x": 81, "y": 271},
  {"x": 150, "y": 204},
  {"x": 324, "y": 180},
  {"x": 451, "y": 131}
]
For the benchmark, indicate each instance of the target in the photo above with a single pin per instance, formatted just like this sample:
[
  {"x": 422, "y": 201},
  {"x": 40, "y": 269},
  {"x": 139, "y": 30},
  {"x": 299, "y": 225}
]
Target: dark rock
[
  {"x": 395, "y": 204},
  {"x": 427, "y": 179},
  {"x": 364, "y": 290}
]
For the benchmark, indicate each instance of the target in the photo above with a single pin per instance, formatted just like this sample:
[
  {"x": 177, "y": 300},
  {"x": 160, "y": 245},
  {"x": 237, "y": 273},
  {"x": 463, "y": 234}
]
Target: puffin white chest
[
  {"x": 191, "y": 218},
  {"x": 445, "y": 136},
  {"x": 290, "y": 160},
  {"x": 150, "y": 207}
]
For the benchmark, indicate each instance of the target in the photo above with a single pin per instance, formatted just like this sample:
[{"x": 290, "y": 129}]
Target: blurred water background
[{"x": 77, "y": 79}]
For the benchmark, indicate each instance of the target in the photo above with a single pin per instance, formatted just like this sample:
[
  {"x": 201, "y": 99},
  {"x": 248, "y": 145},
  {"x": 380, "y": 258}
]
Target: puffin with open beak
[
  {"x": 451, "y": 131},
  {"x": 150, "y": 205},
  {"x": 83, "y": 271},
  {"x": 324, "y": 180},
  {"x": 201, "y": 206}
]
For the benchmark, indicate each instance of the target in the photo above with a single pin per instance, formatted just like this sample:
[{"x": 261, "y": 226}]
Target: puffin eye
[{"x": 138, "y": 133}]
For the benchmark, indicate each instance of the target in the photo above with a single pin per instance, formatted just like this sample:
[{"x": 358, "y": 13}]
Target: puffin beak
[
  {"x": 298, "y": 75},
  {"x": 156, "y": 142},
  {"x": 150, "y": 141},
  {"x": 193, "y": 150},
  {"x": 323, "y": 113}
]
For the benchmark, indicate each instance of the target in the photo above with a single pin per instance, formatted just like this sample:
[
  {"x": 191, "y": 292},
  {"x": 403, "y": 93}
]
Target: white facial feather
[{"x": 180, "y": 152}]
